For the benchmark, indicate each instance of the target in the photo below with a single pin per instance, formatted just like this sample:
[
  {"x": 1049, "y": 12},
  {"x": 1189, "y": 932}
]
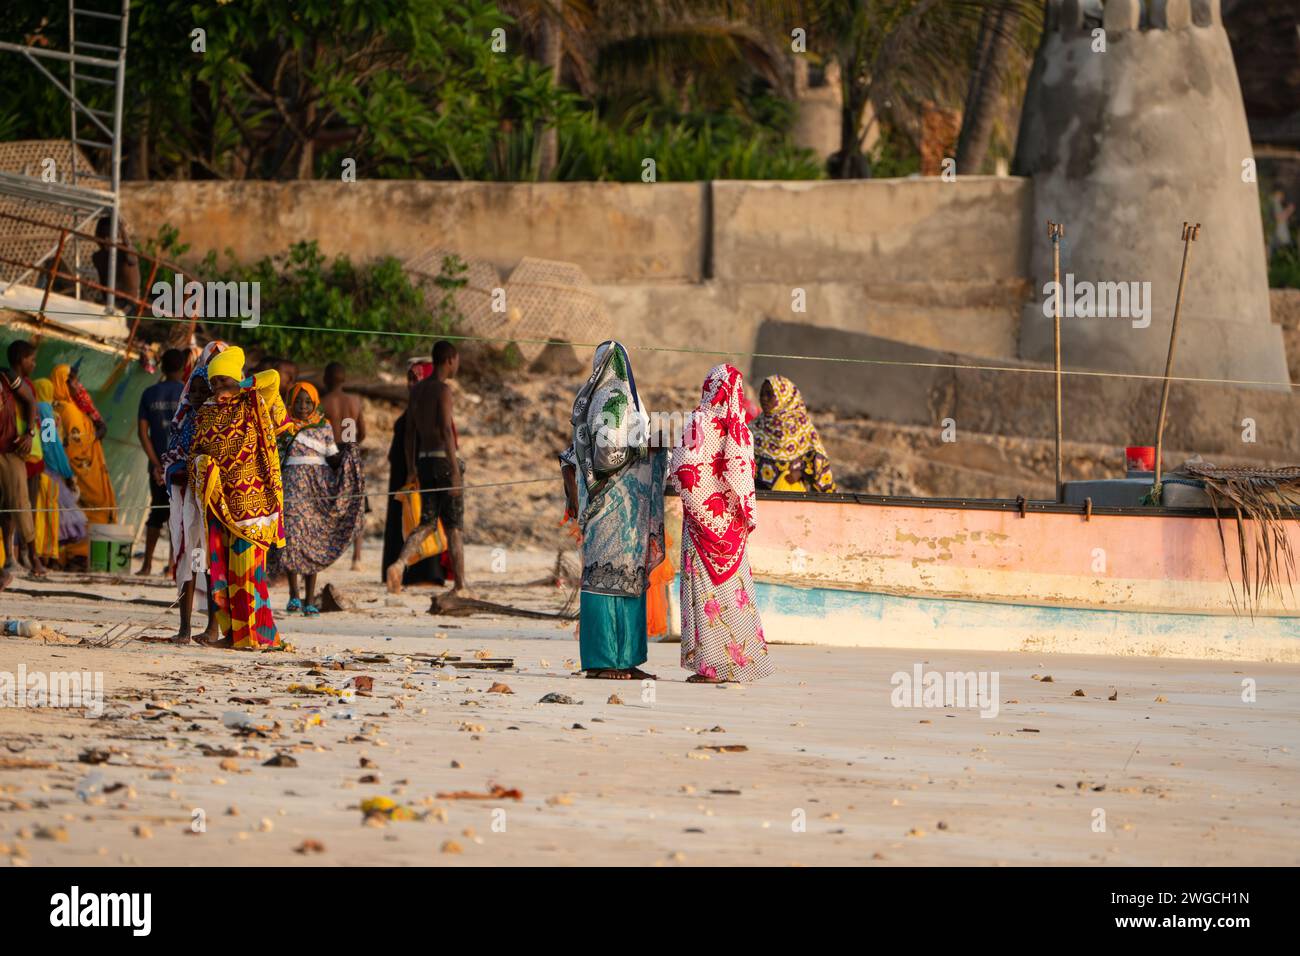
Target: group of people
[
  {"x": 54, "y": 479},
  {"x": 615, "y": 472},
  {"x": 255, "y": 474},
  {"x": 257, "y": 481}
]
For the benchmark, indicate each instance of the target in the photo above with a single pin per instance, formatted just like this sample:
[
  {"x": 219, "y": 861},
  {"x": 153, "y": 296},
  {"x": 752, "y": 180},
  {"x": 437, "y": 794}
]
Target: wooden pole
[
  {"x": 1055, "y": 231},
  {"x": 1190, "y": 234}
]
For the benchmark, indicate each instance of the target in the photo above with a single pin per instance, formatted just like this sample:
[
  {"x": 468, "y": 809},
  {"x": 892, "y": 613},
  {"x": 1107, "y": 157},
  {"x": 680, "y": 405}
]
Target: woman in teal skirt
[{"x": 614, "y": 485}]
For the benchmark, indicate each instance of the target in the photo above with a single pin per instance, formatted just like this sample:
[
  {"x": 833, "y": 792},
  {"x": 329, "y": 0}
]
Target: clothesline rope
[{"x": 899, "y": 363}]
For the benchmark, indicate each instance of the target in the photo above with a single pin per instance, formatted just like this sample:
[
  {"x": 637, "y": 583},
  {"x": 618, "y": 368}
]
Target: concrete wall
[
  {"x": 618, "y": 232},
  {"x": 696, "y": 265}
]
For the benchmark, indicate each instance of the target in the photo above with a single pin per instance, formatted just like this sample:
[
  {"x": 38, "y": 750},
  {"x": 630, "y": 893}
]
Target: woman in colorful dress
[
  {"x": 80, "y": 434},
  {"x": 234, "y": 470},
  {"x": 713, "y": 469},
  {"x": 324, "y": 503},
  {"x": 614, "y": 487},
  {"x": 787, "y": 448},
  {"x": 70, "y": 519}
]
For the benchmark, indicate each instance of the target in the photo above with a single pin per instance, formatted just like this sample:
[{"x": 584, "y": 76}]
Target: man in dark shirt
[{"x": 157, "y": 406}]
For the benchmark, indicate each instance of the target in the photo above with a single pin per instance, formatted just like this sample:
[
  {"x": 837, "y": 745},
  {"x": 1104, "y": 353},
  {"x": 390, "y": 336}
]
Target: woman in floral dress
[{"x": 722, "y": 636}]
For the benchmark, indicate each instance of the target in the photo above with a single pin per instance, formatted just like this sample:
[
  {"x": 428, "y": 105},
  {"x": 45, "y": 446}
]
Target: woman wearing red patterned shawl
[{"x": 722, "y": 636}]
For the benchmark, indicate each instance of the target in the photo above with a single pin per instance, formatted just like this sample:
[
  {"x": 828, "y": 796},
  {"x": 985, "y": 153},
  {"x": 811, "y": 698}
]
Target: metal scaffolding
[{"x": 89, "y": 64}]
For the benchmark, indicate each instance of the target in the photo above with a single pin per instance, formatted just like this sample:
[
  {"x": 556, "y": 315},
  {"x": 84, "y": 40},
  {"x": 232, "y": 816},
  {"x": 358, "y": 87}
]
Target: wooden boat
[{"x": 869, "y": 571}]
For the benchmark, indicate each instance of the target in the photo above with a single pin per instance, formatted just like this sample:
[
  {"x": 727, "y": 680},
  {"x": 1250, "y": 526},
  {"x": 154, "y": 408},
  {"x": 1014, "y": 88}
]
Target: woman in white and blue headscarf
[{"x": 614, "y": 486}]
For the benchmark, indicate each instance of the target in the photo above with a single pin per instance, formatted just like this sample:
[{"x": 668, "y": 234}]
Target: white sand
[{"x": 1202, "y": 778}]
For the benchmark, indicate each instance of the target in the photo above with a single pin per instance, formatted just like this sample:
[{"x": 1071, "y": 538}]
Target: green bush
[
  {"x": 1284, "y": 269},
  {"x": 689, "y": 150},
  {"x": 317, "y": 310}
]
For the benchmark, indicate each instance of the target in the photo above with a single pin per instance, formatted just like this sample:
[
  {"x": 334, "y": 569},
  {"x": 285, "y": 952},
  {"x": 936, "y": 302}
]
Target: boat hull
[{"x": 874, "y": 572}]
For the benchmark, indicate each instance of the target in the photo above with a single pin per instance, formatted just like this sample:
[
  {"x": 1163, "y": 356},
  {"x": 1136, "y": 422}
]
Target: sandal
[
  {"x": 293, "y": 607},
  {"x": 310, "y": 610}
]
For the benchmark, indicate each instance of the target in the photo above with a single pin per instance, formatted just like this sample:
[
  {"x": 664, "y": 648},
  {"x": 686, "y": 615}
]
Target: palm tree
[{"x": 900, "y": 55}]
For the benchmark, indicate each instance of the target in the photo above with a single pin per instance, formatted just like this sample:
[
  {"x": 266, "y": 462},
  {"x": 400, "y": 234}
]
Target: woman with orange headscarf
[
  {"x": 80, "y": 438},
  {"x": 234, "y": 470},
  {"x": 324, "y": 502}
]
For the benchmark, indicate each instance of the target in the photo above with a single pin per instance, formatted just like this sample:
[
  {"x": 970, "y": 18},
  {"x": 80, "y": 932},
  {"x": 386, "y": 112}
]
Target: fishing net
[{"x": 549, "y": 300}]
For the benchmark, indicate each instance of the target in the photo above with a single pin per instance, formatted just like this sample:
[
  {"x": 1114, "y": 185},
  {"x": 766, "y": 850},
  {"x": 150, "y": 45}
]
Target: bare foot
[
  {"x": 356, "y": 564},
  {"x": 144, "y": 572},
  {"x": 226, "y": 642},
  {"x": 609, "y": 674},
  {"x": 5, "y": 579},
  {"x": 701, "y": 679},
  {"x": 638, "y": 674},
  {"x": 393, "y": 577}
]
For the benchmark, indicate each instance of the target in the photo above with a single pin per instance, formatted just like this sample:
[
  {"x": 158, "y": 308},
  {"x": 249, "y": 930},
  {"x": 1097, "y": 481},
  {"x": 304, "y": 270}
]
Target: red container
[{"x": 1140, "y": 458}]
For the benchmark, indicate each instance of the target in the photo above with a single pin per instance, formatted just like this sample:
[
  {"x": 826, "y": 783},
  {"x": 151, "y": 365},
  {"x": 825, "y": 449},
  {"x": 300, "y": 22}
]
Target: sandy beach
[{"x": 826, "y": 770}]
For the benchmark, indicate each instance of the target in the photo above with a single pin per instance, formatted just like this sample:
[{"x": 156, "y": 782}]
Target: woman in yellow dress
[
  {"x": 84, "y": 450},
  {"x": 788, "y": 452}
]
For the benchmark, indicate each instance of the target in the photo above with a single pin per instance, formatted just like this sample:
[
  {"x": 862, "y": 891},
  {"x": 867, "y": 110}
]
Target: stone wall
[{"x": 682, "y": 265}]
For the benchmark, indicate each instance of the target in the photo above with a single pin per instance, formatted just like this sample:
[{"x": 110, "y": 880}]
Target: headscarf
[
  {"x": 200, "y": 370},
  {"x": 79, "y": 396},
  {"x": 714, "y": 473},
  {"x": 787, "y": 434},
  {"x": 421, "y": 369},
  {"x": 56, "y": 458},
  {"x": 229, "y": 362},
  {"x": 314, "y": 418},
  {"x": 607, "y": 435}
]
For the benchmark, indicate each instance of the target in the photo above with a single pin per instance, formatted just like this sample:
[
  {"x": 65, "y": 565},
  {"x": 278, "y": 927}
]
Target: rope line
[{"x": 686, "y": 350}]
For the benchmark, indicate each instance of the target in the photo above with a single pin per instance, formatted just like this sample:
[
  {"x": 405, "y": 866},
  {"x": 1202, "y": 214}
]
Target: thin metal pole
[
  {"x": 1190, "y": 234},
  {"x": 1055, "y": 231}
]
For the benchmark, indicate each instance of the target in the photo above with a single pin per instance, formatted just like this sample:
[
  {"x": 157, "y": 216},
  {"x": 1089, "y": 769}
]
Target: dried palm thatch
[{"x": 1266, "y": 498}]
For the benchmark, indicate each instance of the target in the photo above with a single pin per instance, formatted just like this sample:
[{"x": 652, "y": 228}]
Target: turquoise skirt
[{"x": 611, "y": 631}]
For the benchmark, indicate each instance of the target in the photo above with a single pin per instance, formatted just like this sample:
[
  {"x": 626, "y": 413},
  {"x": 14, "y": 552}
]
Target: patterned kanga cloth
[{"x": 323, "y": 507}]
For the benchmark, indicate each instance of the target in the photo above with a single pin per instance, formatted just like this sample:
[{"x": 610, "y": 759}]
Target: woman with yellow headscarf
[
  {"x": 788, "y": 452},
  {"x": 234, "y": 470},
  {"x": 84, "y": 451},
  {"x": 323, "y": 500}
]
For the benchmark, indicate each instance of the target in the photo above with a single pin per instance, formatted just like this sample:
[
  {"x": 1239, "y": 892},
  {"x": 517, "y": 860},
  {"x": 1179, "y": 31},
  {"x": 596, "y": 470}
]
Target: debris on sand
[
  {"x": 22, "y": 763},
  {"x": 309, "y": 846},
  {"x": 499, "y": 688},
  {"x": 1078, "y": 693},
  {"x": 724, "y": 748},
  {"x": 554, "y": 698},
  {"x": 281, "y": 760},
  {"x": 495, "y": 792},
  {"x": 378, "y": 809},
  {"x": 333, "y": 600}
]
